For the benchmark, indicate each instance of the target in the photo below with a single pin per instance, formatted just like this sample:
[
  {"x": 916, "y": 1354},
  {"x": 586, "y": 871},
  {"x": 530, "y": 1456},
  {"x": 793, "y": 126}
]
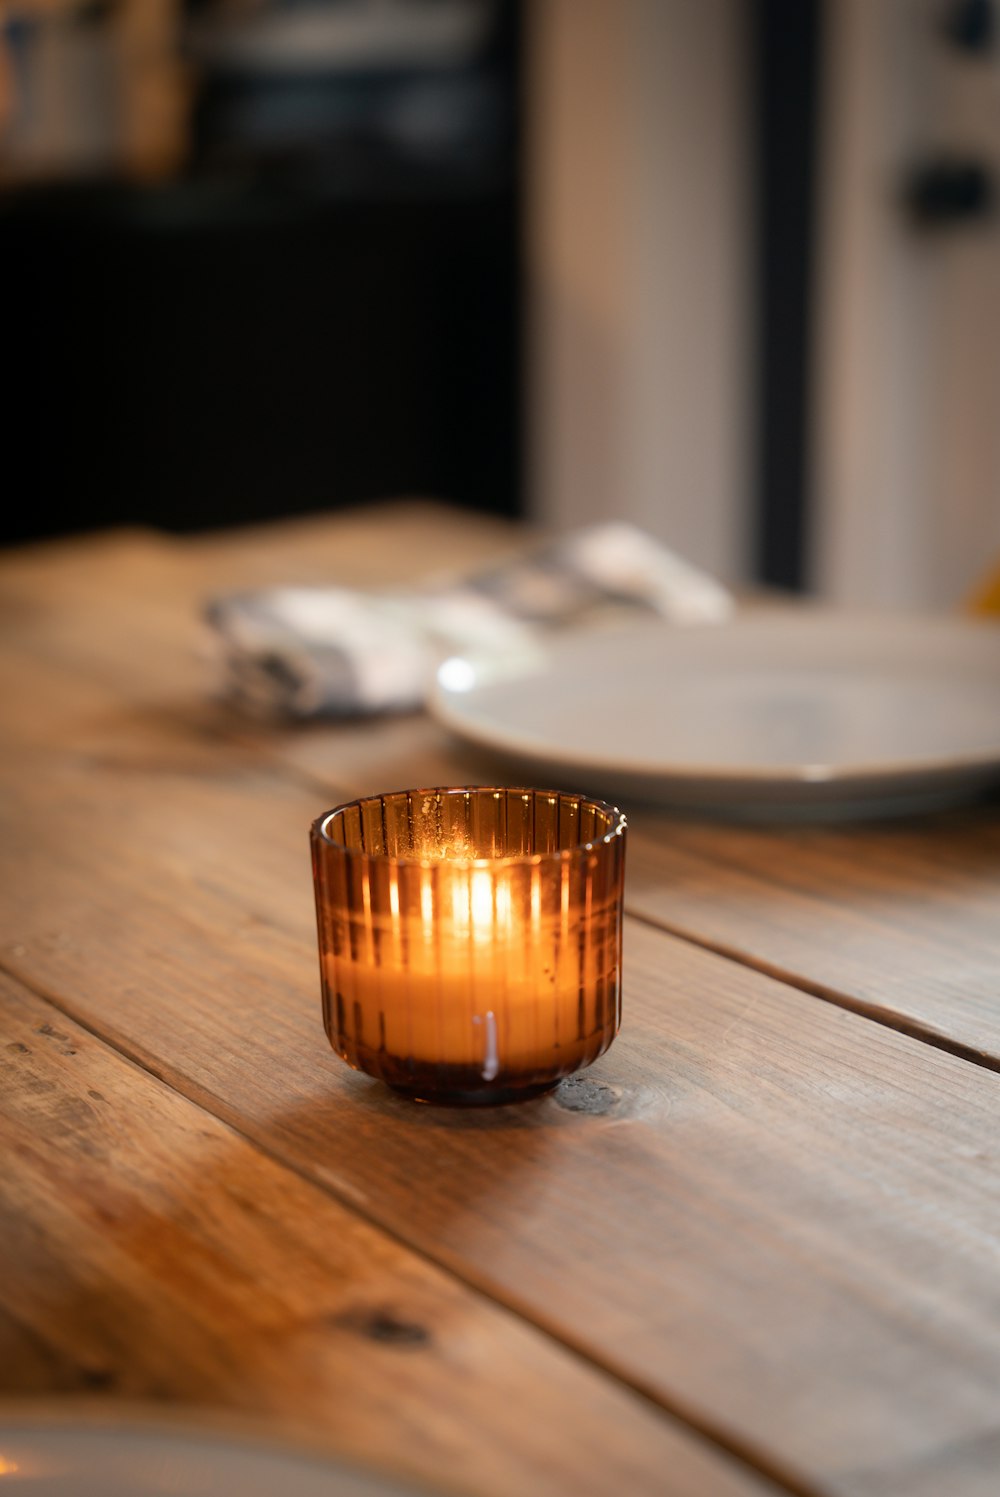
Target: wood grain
[
  {"x": 764, "y": 1212},
  {"x": 898, "y": 920},
  {"x": 149, "y": 1252}
]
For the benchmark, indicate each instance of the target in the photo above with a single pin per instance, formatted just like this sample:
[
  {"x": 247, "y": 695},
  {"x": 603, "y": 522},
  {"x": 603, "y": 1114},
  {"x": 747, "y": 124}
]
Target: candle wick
[{"x": 491, "y": 1059}]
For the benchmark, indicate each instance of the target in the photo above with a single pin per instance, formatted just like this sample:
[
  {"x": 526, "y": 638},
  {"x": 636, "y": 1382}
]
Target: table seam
[
  {"x": 833, "y": 996},
  {"x": 754, "y": 1460}
]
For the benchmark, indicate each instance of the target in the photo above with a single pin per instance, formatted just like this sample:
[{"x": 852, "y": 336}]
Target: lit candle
[{"x": 470, "y": 939}]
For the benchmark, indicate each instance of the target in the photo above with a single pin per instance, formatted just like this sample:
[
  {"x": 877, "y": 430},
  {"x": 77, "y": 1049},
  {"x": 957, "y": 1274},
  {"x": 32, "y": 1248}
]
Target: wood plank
[
  {"x": 899, "y": 920},
  {"x": 387, "y": 543},
  {"x": 765, "y": 1212},
  {"x": 149, "y": 1252}
]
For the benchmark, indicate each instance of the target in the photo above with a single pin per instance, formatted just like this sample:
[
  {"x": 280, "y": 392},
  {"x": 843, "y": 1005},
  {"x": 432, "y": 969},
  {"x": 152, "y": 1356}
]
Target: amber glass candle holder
[{"x": 470, "y": 939}]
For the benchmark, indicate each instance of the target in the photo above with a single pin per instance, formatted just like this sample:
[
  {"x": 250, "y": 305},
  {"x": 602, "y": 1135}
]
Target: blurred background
[{"x": 727, "y": 268}]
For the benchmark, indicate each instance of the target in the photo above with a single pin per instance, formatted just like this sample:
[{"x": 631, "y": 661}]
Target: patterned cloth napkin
[{"x": 306, "y": 652}]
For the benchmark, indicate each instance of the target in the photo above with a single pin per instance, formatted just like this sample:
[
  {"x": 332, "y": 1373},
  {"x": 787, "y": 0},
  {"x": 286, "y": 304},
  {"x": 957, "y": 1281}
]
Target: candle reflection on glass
[{"x": 470, "y": 939}]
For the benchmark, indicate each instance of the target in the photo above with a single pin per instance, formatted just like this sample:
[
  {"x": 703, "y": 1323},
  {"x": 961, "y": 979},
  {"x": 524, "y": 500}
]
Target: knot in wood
[{"x": 581, "y": 1094}]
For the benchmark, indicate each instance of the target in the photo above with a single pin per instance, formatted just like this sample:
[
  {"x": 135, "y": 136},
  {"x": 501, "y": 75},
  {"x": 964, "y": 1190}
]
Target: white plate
[
  {"x": 795, "y": 712},
  {"x": 62, "y": 1456}
]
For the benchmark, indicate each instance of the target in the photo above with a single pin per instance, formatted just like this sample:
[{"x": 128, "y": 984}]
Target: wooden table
[{"x": 755, "y": 1250}]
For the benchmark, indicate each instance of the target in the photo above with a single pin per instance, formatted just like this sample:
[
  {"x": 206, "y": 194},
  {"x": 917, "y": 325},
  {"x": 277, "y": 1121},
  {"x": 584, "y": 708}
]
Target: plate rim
[
  {"x": 851, "y": 776},
  {"x": 280, "y": 1437}
]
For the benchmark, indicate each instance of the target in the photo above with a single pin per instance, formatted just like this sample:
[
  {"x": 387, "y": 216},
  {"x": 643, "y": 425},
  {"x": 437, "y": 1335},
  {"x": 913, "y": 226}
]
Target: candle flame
[
  {"x": 482, "y": 904},
  {"x": 459, "y": 903},
  {"x": 427, "y": 901},
  {"x": 474, "y": 906}
]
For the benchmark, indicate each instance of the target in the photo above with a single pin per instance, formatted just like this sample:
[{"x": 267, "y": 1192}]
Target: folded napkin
[{"x": 330, "y": 651}]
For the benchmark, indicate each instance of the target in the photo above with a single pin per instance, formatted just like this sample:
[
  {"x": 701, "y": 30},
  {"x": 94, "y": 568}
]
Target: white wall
[
  {"x": 639, "y": 264},
  {"x": 907, "y": 416}
]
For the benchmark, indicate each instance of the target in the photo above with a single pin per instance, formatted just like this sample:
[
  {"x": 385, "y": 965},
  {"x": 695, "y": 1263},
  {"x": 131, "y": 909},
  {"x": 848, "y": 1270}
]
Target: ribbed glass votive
[{"x": 470, "y": 939}]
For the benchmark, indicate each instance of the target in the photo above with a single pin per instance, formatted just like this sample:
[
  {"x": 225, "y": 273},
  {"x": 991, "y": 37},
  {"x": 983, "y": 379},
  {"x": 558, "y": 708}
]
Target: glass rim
[{"x": 319, "y": 831}]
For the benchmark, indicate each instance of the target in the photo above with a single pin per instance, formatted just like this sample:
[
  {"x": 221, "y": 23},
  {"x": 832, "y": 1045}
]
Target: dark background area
[
  {"x": 308, "y": 317},
  {"x": 316, "y": 311},
  {"x": 786, "y": 43}
]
